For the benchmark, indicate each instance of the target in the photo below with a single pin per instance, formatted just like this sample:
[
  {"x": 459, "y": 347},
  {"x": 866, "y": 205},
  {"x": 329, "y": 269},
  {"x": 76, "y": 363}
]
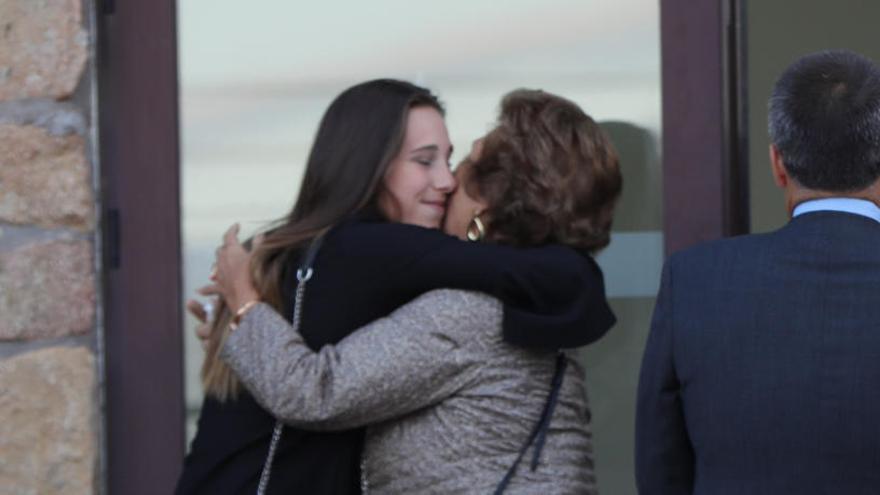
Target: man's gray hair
[{"x": 824, "y": 118}]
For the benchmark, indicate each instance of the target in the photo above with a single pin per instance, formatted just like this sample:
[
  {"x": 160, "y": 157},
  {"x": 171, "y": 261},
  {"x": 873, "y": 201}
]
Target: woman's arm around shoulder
[
  {"x": 553, "y": 296},
  {"x": 420, "y": 354}
]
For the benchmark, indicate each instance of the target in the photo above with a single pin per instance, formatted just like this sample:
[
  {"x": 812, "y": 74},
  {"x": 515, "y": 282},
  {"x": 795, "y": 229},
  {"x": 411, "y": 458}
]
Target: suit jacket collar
[{"x": 834, "y": 223}]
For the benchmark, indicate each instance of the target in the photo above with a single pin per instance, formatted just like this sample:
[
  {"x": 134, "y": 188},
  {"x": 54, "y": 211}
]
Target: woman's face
[
  {"x": 463, "y": 207},
  {"x": 418, "y": 181}
]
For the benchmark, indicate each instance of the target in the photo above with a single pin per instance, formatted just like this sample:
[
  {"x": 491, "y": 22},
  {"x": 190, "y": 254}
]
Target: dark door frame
[
  {"x": 139, "y": 161},
  {"x": 705, "y": 147},
  {"x": 704, "y": 163}
]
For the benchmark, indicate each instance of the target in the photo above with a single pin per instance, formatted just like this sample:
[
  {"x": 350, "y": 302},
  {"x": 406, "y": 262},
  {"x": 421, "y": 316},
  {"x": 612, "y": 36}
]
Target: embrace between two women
[{"x": 403, "y": 358}]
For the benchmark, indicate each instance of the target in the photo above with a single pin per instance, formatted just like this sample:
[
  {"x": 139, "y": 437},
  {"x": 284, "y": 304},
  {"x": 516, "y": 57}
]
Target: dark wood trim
[
  {"x": 705, "y": 186},
  {"x": 737, "y": 215},
  {"x": 138, "y": 92}
]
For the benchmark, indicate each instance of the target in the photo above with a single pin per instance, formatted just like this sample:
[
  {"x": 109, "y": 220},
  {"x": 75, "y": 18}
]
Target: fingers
[
  {"x": 210, "y": 290},
  {"x": 230, "y": 238},
  {"x": 258, "y": 240},
  {"x": 229, "y": 252},
  {"x": 218, "y": 256},
  {"x": 196, "y": 309},
  {"x": 231, "y": 235},
  {"x": 233, "y": 279},
  {"x": 203, "y": 331}
]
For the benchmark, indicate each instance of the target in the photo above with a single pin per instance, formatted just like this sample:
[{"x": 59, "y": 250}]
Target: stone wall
[{"x": 50, "y": 420}]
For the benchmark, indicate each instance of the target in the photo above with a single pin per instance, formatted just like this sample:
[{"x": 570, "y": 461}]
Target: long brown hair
[{"x": 359, "y": 135}]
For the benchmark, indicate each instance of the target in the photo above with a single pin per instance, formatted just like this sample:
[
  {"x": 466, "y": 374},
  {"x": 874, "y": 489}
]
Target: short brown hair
[{"x": 548, "y": 173}]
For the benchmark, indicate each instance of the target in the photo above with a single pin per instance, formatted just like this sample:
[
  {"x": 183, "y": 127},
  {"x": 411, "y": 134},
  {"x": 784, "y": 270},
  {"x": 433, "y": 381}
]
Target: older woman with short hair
[{"x": 452, "y": 406}]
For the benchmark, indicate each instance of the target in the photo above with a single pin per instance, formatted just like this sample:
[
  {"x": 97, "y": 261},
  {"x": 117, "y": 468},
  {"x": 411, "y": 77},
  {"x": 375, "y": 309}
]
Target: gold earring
[{"x": 476, "y": 231}]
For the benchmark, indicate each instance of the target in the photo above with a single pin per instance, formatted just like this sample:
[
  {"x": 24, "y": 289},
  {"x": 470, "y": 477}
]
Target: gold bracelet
[{"x": 236, "y": 319}]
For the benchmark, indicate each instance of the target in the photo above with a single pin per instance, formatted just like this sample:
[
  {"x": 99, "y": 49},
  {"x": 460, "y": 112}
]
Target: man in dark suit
[{"x": 761, "y": 373}]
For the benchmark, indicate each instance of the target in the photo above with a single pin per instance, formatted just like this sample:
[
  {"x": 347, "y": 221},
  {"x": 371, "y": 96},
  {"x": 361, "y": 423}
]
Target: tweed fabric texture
[{"x": 448, "y": 402}]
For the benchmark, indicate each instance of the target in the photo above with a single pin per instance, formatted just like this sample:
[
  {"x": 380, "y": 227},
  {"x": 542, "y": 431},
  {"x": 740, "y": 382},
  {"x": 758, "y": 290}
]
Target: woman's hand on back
[{"x": 232, "y": 273}]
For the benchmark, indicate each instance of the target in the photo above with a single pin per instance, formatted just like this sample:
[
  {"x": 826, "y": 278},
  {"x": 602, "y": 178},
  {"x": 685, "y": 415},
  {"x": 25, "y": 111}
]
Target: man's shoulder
[{"x": 719, "y": 250}]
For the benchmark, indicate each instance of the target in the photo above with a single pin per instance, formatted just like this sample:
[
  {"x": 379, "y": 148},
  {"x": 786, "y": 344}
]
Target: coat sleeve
[
  {"x": 553, "y": 296},
  {"x": 664, "y": 454},
  {"x": 413, "y": 358}
]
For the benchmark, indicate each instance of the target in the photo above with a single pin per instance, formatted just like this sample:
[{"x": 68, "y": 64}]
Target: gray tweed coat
[{"x": 448, "y": 403}]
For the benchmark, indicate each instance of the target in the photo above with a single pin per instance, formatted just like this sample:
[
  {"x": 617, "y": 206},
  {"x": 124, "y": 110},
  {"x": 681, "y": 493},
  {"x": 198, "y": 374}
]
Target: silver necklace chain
[{"x": 365, "y": 485}]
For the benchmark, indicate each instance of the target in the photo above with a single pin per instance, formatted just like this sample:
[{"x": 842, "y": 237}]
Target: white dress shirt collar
[{"x": 855, "y": 206}]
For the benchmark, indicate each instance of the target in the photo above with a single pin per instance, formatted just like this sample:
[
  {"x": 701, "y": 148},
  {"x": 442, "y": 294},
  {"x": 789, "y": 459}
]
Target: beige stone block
[
  {"x": 48, "y": 290},
  {"x": 44, "y": 179},
  {"x": 48, "y": 437},
  {"x": 43, "y": 48}
]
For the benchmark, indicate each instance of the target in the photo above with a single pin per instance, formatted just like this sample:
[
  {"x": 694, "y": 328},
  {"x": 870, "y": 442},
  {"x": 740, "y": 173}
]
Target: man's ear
[{"x": 777, "y": 167}]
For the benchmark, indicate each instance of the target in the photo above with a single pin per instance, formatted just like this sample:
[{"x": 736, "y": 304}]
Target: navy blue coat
[{"x": 761, "y": 373}]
